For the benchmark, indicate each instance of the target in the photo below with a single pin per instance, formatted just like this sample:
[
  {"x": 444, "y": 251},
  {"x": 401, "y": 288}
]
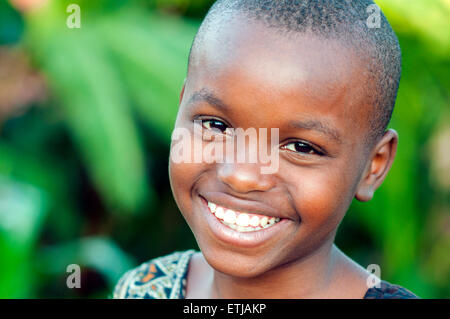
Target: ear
[
  {"x": 379, "y": 165},
  {"x": 182, "y": 91}
]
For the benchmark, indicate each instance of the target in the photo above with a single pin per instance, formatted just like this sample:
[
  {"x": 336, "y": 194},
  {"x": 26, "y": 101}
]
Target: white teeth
[
  {"x": 220, "y": 212},
  {"x": 243, "y": 220},
  {"x": 230, "y": 216},
  {"x": 254, "y": 221},
  {"x": 212, "y": 207},
  {"x": 263, "y": 221}
]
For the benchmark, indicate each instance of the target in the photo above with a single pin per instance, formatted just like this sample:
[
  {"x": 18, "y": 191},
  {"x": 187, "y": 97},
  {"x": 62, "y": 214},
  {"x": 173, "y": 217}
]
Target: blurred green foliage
[{"x": 83, "y": 172}]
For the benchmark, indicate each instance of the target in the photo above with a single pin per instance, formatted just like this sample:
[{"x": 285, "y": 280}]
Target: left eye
[
  {"x": 214, "y": 125},
  {"x": 301, "y": 147}
]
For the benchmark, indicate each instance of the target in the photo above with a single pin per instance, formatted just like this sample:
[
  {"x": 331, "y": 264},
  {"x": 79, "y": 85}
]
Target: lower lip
[{"x": 241, "y": 239}]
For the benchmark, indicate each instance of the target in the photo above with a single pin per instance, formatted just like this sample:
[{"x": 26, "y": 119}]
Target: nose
[{"x": 245, "y": 177}]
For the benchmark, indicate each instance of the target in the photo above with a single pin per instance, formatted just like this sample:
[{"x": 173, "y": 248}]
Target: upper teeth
[{"x": 241, "y": 221}]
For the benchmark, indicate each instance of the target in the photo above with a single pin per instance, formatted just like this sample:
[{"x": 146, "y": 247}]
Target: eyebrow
[
  {"x": 207, "y": 96},
  {"x": 317, "y": 126},
  {"x": 204, "y": 95}
]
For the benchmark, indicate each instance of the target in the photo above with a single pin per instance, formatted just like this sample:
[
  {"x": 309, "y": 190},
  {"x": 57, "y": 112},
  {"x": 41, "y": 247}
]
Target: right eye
[{"x": 215, "y": 125}]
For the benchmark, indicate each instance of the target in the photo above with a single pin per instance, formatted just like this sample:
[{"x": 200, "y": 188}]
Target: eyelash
[
  {"x": 312, "y": 150},
  {"x": 214, "y": 120}
]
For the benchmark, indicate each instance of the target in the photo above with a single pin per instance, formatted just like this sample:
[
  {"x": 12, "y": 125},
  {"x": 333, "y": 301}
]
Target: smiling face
[{"x": 312, "y": 90}]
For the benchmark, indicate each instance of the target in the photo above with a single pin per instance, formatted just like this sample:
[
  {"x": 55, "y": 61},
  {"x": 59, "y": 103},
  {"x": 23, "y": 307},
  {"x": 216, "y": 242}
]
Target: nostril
[{"x": 244, "y": 178}]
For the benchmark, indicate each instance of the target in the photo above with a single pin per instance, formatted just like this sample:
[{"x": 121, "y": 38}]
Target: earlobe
[
  {"x": 381, "y": 161},
  {"x": 364, "y": 194}
]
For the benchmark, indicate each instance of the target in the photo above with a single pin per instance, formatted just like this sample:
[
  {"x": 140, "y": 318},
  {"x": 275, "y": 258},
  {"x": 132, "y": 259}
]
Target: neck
[{"x": 308, "y": 277}]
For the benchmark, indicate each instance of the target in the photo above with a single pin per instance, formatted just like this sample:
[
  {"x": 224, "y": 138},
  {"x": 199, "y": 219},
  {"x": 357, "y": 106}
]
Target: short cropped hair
[{"x": 343, "y": 20}]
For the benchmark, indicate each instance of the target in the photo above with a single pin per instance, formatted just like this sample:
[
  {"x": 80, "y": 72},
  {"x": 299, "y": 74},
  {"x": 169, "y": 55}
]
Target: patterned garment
[
  {"x": 159, "y": 278},
  {"x": 389, "y": 291},
  {"x": 165, "y": 278}
]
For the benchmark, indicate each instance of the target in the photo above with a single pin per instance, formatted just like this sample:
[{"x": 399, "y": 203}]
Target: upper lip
[{"x": 240, "y": 205}]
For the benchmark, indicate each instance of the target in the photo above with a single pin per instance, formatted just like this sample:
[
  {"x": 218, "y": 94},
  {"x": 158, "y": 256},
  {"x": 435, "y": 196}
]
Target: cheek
[
  {"x": 183, "y": 174},
  {"x": 177, "y": 178},
  {"x": 180, "y": 176},
  {"x": 322, "y": 197}
]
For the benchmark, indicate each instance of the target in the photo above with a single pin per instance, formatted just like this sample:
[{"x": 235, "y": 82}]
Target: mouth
[
  {"x": 242, "y": 228},
  {"x": 241, "y": 221}
]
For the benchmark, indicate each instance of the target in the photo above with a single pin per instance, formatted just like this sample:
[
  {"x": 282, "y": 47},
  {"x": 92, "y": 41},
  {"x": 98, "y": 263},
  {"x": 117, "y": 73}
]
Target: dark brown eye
[
  {"x": 301, "y": 147},
  {"x": 214, "y": 125}
]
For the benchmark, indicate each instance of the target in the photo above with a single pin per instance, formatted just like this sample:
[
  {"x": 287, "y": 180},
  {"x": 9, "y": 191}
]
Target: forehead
[{"x": 253, "y": 68}]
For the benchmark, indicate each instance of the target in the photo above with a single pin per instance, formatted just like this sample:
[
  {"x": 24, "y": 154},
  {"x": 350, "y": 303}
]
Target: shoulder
[
  {"x": 159, "y": 278},
  {"x": 387, "y": 290}
]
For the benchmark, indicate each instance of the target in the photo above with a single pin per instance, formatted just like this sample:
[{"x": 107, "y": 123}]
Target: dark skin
[{"x": 246, "y": 75}]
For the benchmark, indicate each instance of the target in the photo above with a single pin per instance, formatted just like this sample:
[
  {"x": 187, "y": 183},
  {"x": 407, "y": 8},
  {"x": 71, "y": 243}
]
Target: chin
[{"x": 234, "y": 263}]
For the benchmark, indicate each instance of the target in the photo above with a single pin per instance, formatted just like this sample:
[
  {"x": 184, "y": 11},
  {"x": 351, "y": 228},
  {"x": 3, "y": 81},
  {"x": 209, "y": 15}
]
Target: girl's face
[{"x": 312, "y": 91}]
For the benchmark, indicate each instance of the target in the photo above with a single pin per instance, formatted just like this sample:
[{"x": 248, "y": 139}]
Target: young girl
[{"x": 318, "y": 78}]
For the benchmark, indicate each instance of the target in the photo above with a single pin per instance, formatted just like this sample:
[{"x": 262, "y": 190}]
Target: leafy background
[{"x": 85, "y": 122}]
